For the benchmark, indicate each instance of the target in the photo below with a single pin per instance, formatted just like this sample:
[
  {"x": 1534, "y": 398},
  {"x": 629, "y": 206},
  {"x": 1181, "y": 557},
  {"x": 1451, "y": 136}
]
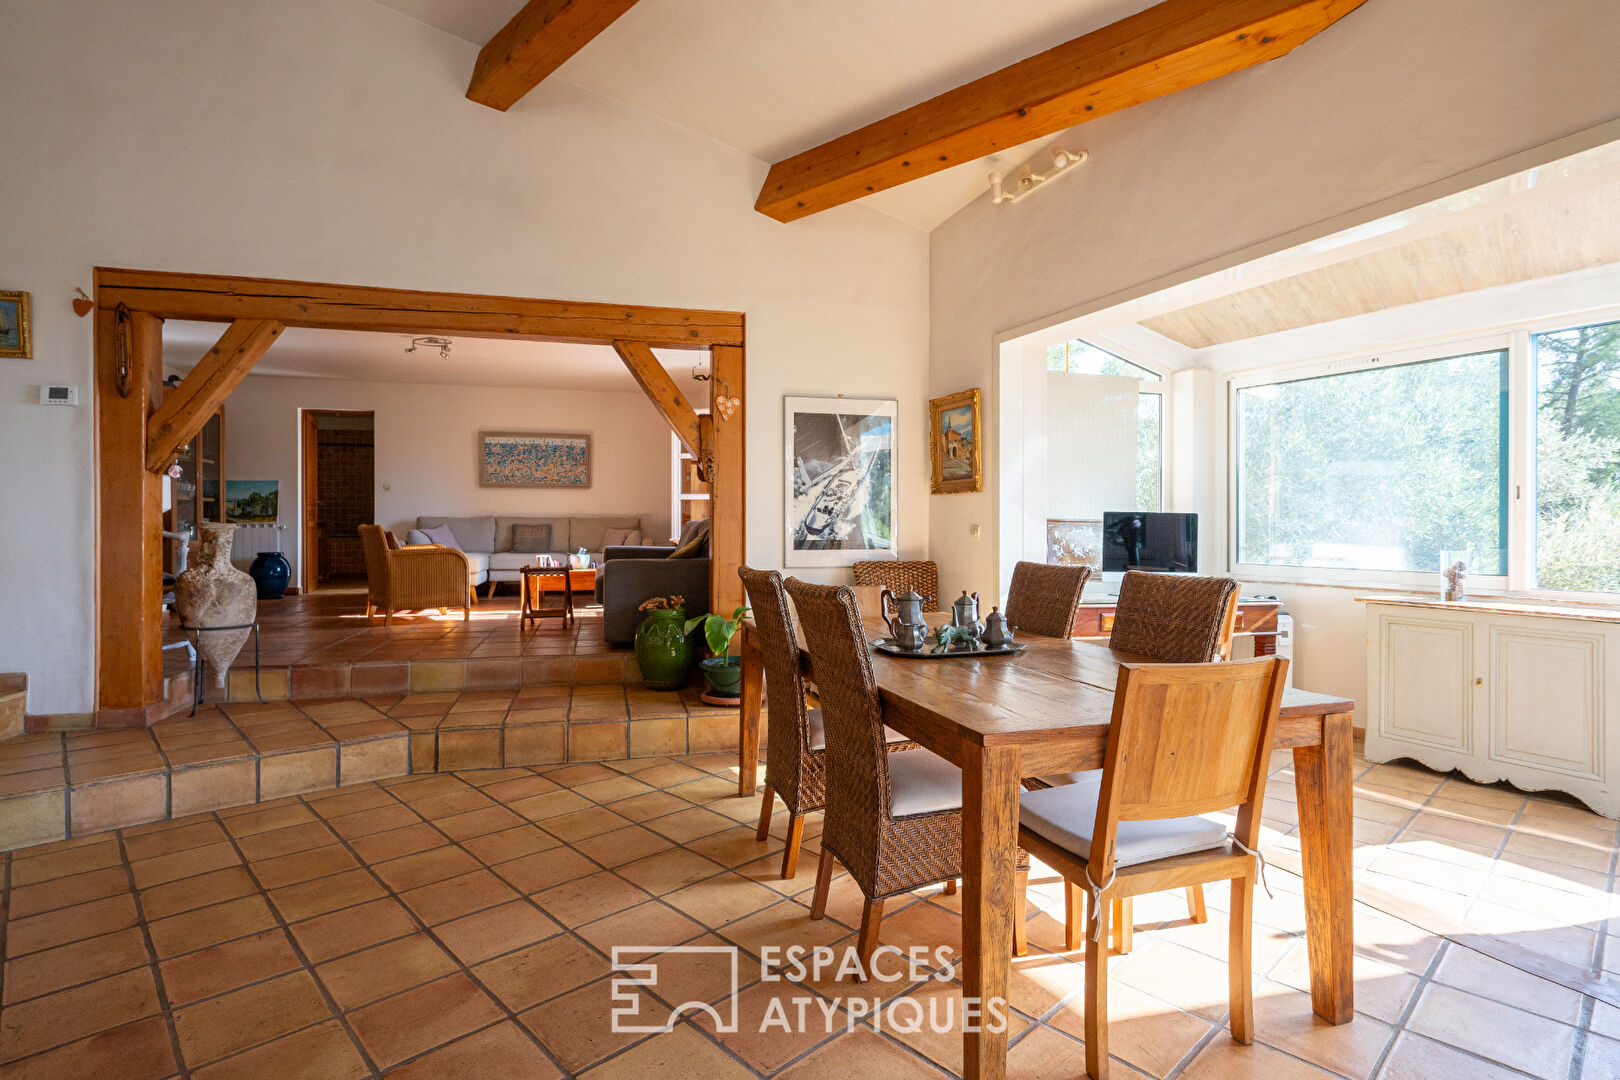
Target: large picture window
[
  {"x": 1578, "y": 458},
  {"x": 1380, "y": 469}
]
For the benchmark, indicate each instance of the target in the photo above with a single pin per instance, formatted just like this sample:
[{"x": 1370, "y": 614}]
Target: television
[{"x": 1137, "y": 540}]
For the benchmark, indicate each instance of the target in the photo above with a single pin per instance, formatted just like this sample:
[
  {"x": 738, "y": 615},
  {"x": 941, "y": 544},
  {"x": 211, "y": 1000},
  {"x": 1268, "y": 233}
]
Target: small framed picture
[
  {"x": 15, "y": 340},
  {"x": 956, "y": 443}
]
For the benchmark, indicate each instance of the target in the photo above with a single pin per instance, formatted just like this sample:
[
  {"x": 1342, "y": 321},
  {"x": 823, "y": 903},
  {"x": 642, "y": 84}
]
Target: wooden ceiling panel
[{"x": 1540, "y": 239}]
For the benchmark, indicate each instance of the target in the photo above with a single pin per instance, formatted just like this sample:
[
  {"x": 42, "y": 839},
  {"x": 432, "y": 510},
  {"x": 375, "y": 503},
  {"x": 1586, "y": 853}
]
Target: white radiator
[{"x": 249, "y": 540}]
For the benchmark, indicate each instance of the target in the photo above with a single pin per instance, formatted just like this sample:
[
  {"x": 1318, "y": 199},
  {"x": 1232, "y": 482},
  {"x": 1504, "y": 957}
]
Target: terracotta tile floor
[
  {"x": 329, "y": 627},
  {"x": 463, "y": 925}
]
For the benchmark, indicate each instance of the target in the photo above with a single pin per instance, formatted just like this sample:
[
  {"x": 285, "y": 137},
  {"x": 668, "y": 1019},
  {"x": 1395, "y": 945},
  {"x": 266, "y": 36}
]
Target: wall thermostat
[{"x": 59, "y": 395}]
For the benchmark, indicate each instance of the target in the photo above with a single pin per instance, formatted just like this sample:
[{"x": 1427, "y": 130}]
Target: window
[
  {"x": 1378, "y": 469},
  {"x": 1577, "y": 470},
  {"x": 1078, "y": 357}
]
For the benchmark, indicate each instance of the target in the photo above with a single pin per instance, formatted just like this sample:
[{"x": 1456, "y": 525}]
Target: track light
[
  {"x": 1028, "y": 179},
  {"x": 440, "y": 343}
]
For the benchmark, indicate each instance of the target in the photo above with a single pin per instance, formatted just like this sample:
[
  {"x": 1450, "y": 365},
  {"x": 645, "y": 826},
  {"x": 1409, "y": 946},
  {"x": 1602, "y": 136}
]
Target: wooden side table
[{"x": 537, "y": 582}]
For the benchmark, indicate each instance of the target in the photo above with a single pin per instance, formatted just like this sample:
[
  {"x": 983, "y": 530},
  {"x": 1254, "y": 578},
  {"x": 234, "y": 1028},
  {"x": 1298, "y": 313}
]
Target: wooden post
[
  {"x": 728, "y": 482},
  {"x": 129, "y": 574}
]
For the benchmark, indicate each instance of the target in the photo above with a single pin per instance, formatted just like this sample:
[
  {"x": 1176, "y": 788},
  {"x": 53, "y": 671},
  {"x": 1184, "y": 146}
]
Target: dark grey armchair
[{"x": 630, "y": 575}]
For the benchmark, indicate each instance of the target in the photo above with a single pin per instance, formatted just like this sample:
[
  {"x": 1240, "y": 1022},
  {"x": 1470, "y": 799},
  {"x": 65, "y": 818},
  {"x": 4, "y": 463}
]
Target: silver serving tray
[{"x": 891, "y": 647}]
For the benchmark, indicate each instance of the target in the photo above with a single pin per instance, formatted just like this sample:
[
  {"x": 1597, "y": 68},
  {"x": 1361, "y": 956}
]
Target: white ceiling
[
  {"x": 361, "y": 356},
  {"x": 774, "y": 77}
]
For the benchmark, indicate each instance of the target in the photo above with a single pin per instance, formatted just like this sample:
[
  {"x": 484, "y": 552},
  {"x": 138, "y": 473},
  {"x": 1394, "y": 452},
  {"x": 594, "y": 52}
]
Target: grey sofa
[
  {"x": 487, "y": 540},
  {"x": 630, "y": 575}
]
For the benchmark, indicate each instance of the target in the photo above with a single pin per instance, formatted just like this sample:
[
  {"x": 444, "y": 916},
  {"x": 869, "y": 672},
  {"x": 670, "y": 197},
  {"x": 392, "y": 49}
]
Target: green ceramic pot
[
  {"x": 724, "y": 674},
  {"x": 663, "y": 649}
]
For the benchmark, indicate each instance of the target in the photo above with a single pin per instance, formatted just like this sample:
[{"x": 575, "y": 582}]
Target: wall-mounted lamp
[
  {"x": 443, "y": 344},
  {"x": 1028, "y": 180}
]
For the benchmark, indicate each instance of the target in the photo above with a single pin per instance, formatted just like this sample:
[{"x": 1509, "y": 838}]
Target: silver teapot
[
  {"x": 906, "y": 625},
  {"x": 965, "y": 613},
  {"x": 997, "y": 631}
]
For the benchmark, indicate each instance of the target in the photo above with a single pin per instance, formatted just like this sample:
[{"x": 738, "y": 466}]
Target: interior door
[{"x": 312, "y": 503}]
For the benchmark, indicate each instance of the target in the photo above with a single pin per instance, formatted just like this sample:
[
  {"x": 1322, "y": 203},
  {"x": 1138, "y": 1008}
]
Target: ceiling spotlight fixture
[
  {"x": 443, "y": 344},
  {"x": 1028, "y": 179}
]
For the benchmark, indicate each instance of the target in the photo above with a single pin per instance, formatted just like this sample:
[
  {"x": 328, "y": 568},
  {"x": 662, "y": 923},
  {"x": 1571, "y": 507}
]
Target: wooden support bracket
[
  {"x": 187, "y": 407},
  {"x": 656, "y": 383}
]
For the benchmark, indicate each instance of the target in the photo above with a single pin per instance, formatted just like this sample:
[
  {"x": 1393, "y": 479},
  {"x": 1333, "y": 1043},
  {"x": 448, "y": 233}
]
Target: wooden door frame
[
  {"x": 131, "y": 305},
  {"x": 309, "y": 475}
]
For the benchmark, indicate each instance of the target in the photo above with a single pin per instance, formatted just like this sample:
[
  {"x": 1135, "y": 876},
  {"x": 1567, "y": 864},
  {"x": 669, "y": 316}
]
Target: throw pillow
[
  {"x": 531, "y": 539},
  {"x": 695, "y": 541},
  {"x": 620, "y": 537},
  {"x": 441, "y": 535}
]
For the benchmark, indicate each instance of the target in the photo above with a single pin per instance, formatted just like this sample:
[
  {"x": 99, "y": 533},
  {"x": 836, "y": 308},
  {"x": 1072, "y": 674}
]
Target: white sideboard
[{"x": 1501, "y": 691}]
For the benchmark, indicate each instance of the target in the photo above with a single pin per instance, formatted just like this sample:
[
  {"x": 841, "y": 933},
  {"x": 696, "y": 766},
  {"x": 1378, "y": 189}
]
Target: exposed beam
[
  {"x": 727, "y": 489},
  {"x": 656, "y": 384},
  {"x": 1168, "y": 47},
  {"x": 187, "y": 407},
  {"x": 534, "y": 44},
  {"x": 407, "y": 311}
]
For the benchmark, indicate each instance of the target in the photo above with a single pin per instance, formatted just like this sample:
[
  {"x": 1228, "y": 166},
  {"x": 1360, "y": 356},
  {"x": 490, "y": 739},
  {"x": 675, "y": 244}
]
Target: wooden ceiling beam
[
  {"x": 534, "y": 44},
  {"x": 187, "y": 407},
  {"x": 656, "y": 383},
  {"x": 1168, "y": 47},
  {"x": 406, "y": 311}
]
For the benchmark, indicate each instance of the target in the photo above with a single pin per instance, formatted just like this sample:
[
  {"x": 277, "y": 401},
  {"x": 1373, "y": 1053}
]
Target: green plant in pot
[
  {"x": 664, "y": 648},
  {"x": 722, "y": 671}
]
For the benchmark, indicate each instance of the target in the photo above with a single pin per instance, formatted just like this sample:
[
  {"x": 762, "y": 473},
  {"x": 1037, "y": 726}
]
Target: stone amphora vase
[{"x": 212, "y": 592}]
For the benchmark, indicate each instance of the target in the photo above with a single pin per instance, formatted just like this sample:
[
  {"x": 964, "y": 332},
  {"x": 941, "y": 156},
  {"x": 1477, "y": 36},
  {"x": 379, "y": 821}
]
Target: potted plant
[
  {"x": 722, "y": 671},
  {"x": 663, "y": 644}
]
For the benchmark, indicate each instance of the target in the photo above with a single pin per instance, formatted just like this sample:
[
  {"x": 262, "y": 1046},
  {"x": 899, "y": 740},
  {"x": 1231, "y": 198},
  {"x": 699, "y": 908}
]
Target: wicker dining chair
[
  {"x": 417, "y": 576},
  {"x": 893, "y": 820},
  {"x": 796, "y": 751},
  {"x": 1043, "y": 599},
  {"x": 902, "y": 577},
  {"x": 1185, "y": 740},
  {"x": 1172, "y": 619}
]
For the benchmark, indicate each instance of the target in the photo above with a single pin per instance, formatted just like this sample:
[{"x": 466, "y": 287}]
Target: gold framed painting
[
  {"x": 955, "y": 435},
  {"x": 15, "y": 339}
]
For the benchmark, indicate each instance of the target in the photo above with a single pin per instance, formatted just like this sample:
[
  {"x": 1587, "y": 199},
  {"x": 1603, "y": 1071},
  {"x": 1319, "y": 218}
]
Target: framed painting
[
  {"x": 840, "y": 494},
  {"x": 527, "y": 459},
  {"x": 955, "y": 444},
  {"x": 252, "y": 501},
  {"x": 16, "y": 338}
]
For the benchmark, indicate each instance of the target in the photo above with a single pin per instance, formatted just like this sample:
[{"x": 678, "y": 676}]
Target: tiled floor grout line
[
  {"x": 1583, "y": 1027},
  {"x": 170, "y": 1018}
]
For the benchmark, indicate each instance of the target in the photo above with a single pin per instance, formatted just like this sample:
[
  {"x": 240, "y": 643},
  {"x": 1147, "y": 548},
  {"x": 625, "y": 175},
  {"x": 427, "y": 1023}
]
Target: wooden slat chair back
[
  {"x": 1184, "y": 740},
  {"x": 1042, "y": 599}
]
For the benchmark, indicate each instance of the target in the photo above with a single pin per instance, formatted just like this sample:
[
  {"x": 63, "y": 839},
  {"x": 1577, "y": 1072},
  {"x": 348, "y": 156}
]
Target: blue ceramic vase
[{"x": 270, "y": 572}]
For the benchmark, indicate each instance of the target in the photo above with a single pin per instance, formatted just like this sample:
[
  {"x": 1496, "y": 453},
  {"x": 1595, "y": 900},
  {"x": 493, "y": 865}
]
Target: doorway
[{"x": 339, "y": 469}]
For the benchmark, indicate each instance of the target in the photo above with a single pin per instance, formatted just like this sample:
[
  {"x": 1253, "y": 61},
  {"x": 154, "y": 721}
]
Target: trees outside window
[{"x": 1578, "y": 458}]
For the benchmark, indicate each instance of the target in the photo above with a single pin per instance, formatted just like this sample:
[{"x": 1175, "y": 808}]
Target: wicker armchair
[
  {"x": 419, "y": 576},
  {"x": 1173, "y": 619},
  {"x": 796, "y": 752},
  {"x": 1042, "y": 599},
  {"x": 894, "y": 821},
  {"x": 902, "y": 577}
]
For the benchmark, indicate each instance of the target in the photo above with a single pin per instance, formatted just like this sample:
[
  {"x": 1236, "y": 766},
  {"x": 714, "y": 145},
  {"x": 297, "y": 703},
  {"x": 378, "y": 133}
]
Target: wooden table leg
[
  {"x": 753, "y": 686},
  {"x": 1322, "y": 783},
  {"x": 990, "y": 786}
]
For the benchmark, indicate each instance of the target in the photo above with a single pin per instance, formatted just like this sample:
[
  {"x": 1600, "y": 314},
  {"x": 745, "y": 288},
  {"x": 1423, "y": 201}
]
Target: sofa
[
  {"x": 628, "y": 576},
  {"x": 487, "y": 540}
]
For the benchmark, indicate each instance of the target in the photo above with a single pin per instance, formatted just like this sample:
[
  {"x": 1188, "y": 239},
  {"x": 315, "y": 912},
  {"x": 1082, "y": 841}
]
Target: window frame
[
  {"x": 1159, "y": 386},
  {"x": 1349, "y": 365},
  {"x": 1523, "y": 387}
]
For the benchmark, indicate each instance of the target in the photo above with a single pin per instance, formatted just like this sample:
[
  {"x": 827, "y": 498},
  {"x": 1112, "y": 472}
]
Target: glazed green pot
[
  {"x": 663, "y": 649},
  {"x": 724, "y": 674}
]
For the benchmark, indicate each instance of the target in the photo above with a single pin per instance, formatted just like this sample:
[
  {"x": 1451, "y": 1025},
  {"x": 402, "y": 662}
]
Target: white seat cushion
[
  {"x": 818, "y": 734},
  {"x": 1067, "y": 814},
  {"x": 922, "y": 782}
]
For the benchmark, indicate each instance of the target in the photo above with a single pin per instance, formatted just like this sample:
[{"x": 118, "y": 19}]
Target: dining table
[{"x": 1047, "y": 710}]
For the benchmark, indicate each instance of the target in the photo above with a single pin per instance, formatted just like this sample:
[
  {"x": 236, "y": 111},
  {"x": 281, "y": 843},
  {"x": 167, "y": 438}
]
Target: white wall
[
  {"x": 331, "y": 140},
  {"x": 1348, "y": 127},
  {"x": 427, "y": 449}
]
